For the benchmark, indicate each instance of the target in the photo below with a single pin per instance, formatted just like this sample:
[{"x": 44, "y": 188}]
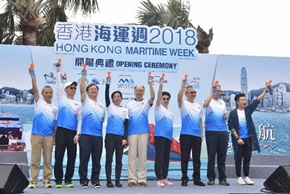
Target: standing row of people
[{"x": 82, "y": 122}]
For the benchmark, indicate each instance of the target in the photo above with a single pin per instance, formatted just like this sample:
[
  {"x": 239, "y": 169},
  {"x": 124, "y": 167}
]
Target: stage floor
[{"x": 152, "y": 188}]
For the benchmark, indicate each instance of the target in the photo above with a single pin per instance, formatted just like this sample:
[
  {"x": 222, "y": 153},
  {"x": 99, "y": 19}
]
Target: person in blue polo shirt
[
  {"x": 217, "y": 136},
  {"x": 42, "y": 135},
  {"x": 116, "y": 134},
  {"x": 138, "y": 135},
  {"x": 91, "y": 139},
  {"x": 162, "y": 136},
  {"x": 191, "y": 133},
  {"x": 68, "y": 130}
]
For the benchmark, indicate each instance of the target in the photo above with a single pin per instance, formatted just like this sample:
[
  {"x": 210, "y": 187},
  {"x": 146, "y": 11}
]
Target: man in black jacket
[{"x": 244, "y": 136}]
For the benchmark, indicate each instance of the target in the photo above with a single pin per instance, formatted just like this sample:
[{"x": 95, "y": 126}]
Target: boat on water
[
  {"x": 11, "y": 131},
  {"x": 175, "y": 152}
]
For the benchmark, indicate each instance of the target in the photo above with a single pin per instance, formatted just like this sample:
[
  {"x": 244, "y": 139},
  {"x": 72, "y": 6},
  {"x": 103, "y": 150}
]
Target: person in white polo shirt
[
  {"x": 68, "y": 130},
  {"x": 138, "y": 135},
  {"x": 42, "y": 135},
  {"x": 191, "y": 133},
  {"x": 91, "y": 139},
  {"x": 217, "y": 136},
  {"x": 162, "y": 136},
  {"x": 116, "y": 134}
]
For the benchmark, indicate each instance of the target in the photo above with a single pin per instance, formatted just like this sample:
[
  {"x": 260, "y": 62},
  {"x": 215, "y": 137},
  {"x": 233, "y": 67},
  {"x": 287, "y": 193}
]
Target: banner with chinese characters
[
  {"x": 271, "y": 117},
  {"x": 235, "y": 74},
  {"x": 125, "y": 47}
]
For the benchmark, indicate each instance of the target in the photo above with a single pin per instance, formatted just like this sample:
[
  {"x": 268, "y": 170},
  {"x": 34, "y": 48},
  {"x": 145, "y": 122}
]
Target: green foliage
[
  {"x": 37, "y": 18},
  {"x": 174, "y": 14}
]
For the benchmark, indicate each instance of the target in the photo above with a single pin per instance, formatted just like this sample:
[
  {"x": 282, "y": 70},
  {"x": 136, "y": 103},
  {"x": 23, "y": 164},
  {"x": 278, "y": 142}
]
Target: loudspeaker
[
  {"x": 279, "y": 180},
  {"x": 12, "y": 180}
]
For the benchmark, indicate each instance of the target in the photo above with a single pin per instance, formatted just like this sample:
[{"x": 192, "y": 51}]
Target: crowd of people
[{"x": 74, "y": 122}]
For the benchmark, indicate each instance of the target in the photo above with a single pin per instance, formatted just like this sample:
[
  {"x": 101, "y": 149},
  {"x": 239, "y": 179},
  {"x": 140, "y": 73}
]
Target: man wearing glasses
[
  {"x": 217, "y": 136},
  {"x": 68, "y": 131},
  {"x": 191, "y": 133},
  {"x": 138, "y": 135}
]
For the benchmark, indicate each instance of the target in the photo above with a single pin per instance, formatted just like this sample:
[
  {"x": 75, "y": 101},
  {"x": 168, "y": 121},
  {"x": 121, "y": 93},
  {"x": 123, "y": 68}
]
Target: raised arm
[
  {"x": 263, "y": 94},
  {"x": 83, "y": 89},
  {"x": 59, "y": 91},
  {"x": 208, "y": 99},
  {"x": 35, "y": 88},
  {"x": 152, "y": 93},
  {"x": 107, "y": 95},
  {"x": 180, "y": 93},
  {"x": 159, "y": 94}
]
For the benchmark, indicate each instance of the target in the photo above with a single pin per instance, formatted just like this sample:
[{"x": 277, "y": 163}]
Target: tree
[
  {"x": 31, "y": 22},
  {"x": 174, "y": 14}
]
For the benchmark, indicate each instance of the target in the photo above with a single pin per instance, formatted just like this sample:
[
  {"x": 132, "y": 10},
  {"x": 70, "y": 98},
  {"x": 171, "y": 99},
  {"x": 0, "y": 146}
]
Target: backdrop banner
[{"x": 246, "y": 74}]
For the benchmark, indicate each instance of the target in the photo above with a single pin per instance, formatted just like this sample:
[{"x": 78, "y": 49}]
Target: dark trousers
[
  {"x": 113, "y": 143},
  {"x": 190, "y": 143},
  {"x": 162, "y": 151},
  {"x": 90, "y": 146},
  {"x": 244, "y": 152},
  {"x": 64, "y": 141},
  {"x": 217, "y": 145}
]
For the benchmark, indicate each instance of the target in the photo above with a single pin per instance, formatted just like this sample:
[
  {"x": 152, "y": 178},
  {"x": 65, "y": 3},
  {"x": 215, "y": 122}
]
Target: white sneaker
[
  {"x": 240, "y": 181},
  {"x": 248, "y": 181}
]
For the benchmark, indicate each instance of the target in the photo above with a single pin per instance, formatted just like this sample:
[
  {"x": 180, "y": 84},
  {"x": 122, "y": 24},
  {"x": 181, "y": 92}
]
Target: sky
[{"x": 241, "y": 27}]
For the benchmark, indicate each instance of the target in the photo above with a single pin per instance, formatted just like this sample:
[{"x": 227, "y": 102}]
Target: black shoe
[
  {"x": 110, "y": 184},
  {"x": 84, "y": 185},
  {"x": 184, "y": 183},
  {"x": 224, "y": 183},
  {"x": 118, "y": 184},
  {"x": 97, "y": 185},
  {"x": 199, "y": 183}
]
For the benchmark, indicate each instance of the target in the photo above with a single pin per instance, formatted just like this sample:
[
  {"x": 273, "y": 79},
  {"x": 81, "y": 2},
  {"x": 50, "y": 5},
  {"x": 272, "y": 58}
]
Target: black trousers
[
  {"x": 244, "y": 153},
  {"x": 162, "y": 151},
  {"x": 113, "y": 143},
  {"x": 217, "y": 145},
  {"x": 190, "y": 143},
  {"x": 90, "y": 146},
  {"x": 64, "y": 141}
]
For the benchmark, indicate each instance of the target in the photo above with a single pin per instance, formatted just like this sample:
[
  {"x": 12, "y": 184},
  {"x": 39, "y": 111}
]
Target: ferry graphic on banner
[
  {"x": 11, "y": 132},
  {"x": 175, "y": 152}
]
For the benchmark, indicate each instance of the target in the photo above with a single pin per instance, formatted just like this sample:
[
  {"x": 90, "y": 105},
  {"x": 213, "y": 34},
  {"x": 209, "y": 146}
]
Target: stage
[{"x": 152, "y": 188}]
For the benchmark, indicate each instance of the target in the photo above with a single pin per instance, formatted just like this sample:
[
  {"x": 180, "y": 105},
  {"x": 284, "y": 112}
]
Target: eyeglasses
[
  {"x": 166, "y": 99},
  {"x": 73, "y": 88},
  {"x": 192, "y": 92},
  {"x": 139, "y": 90}
]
